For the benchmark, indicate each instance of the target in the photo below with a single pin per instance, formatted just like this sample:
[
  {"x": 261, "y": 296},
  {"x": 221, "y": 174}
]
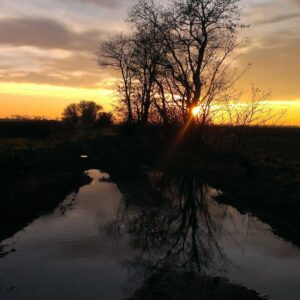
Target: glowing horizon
[{"x": 48, "y": 101}]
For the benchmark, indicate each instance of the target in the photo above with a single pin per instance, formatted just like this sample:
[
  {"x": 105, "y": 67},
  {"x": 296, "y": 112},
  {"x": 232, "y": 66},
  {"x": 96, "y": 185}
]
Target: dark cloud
[
  {"x": 46, "y": 33},
  {"x": 279, "y": 18}
]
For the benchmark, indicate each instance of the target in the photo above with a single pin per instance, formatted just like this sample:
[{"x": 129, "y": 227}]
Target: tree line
[{"x": 86, "y": 114}]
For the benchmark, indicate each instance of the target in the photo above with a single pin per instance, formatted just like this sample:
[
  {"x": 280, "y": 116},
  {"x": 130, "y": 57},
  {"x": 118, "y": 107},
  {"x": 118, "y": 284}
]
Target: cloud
[
  {"x": 279, "y": 39},
  {"x": 295, "y": 2},
  {"x": 46, "y": 33},
  {"x": 55, "y": 67},
  {"x": 46, "y": 51},
  {"x": 275, "y": 66},
  {"x": 279, "y": 18},
  {"x": 105, "y": 3}
]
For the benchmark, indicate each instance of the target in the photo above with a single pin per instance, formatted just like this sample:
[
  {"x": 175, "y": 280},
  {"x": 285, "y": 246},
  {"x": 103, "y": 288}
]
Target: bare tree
[
  {"x": 180, "y": 55},
  {"x": 199, "y": 36},
  {"x": 241, "y": 115},
  {"x": 147, "y": 59},
  {"x": 118, "y": 54},
  {"x": 137, "y": 57}
]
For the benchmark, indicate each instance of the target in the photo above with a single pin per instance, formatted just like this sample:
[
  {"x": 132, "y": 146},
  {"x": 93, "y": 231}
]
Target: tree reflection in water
[{"x": 176, "y": 234}]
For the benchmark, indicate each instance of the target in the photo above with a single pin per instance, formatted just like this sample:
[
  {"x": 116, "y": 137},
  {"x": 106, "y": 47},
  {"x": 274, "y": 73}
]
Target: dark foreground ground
[
  {"x": 176, "y": 286},
  {"x": 40, "y": 165}
]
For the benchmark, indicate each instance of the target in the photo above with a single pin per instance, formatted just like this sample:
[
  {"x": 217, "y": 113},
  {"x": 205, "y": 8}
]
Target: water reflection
[
  {"x": 68, "y": 254},
  {"x": 81, "y": 249},
  {"x": 189, "y": 231},
  {"x": 180, "y": 233}
]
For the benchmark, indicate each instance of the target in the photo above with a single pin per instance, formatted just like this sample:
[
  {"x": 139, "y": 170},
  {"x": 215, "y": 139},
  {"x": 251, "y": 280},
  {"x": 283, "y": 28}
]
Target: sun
[{"x": 196, "y": 111}]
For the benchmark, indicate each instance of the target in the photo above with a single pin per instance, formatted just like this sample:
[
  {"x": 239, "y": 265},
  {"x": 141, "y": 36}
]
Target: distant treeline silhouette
[{"x": 86, "y": 114}]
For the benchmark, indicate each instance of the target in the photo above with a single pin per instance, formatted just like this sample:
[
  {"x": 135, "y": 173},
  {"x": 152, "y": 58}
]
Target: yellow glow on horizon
[
  {"x": 50, "y": 90},
  {"x": 46, "y": 100},
  {"x": 49, "y": 101}
]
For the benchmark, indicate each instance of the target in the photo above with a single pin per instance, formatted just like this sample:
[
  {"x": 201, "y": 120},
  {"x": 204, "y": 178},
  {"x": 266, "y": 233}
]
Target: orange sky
[{"x": 47, "y": 55}]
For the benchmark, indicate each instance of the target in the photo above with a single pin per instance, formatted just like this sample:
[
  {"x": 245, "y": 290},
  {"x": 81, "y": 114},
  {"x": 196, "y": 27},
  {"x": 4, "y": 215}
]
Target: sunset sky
[{"x": 47, "y": 53}]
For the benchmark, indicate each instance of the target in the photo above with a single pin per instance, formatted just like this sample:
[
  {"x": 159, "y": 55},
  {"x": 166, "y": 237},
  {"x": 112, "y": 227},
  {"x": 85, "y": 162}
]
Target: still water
[{"x": 97, "y": 246}]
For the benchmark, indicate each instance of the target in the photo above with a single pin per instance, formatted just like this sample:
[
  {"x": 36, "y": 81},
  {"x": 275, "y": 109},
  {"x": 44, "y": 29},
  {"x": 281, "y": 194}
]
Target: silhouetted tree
[
  {"x": 89, "y": 111},
  {"x": 199, "y": 36},
  {"x": 105, "y": 119},
  {"x": 176, "y": 58},
  {"x": 84, "y": 113},
  {"x": 71, "y": 114},
  {"x": 137, "y": 58}
]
